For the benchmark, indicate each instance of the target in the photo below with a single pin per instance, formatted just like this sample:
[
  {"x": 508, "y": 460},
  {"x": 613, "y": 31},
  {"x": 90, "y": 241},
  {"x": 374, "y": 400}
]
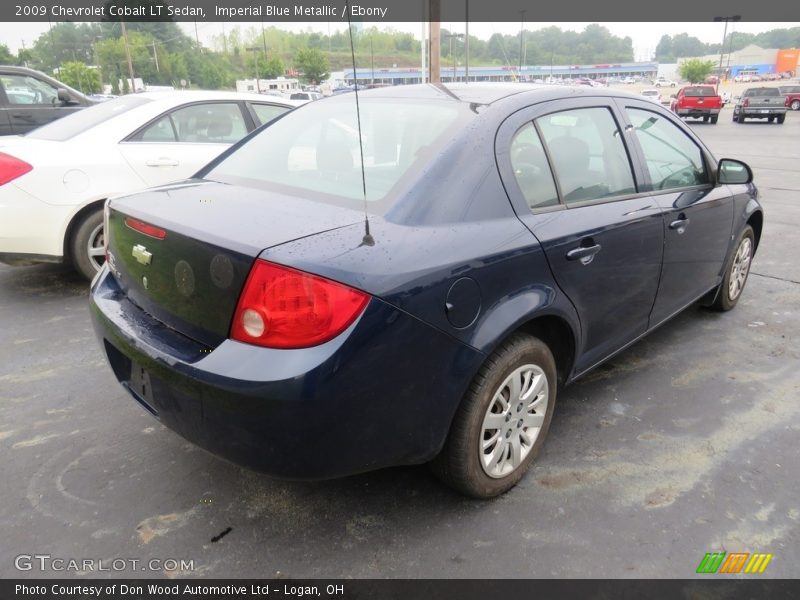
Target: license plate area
[{"x": 141, "y": 388}]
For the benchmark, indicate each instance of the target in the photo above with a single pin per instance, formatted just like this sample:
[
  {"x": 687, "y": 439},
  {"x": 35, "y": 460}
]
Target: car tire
[
  {"x": 705, "y": 119},
  {"x": 735, "y": 118},
  {"x": 714, "y": 119},
  {"x": 781, "y": 119},
  {"x": 737, "y": 268},
  {"x": 88, "y": 235},
  {"x": 771, "y": 119},
  {"x": 480, "y": 460},
  {"x": 795, "y": 105}
]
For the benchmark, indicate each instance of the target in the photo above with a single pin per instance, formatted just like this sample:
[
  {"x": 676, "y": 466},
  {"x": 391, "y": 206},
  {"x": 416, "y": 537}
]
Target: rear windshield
[
  {"x": 82, "y": 120},
  {"x": 699, "y": 91},
  {"x": 765, "y": 91},
  {"x": 315, "y": 149}
]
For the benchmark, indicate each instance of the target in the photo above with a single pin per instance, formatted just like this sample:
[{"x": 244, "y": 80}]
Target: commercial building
[
  {"x": 754, "y": 60},
  {"x": 409, "y": 75}
]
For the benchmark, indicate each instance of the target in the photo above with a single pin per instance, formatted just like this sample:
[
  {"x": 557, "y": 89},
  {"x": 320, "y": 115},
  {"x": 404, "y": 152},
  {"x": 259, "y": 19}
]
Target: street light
[
  {"x": 254, "y": 50},
  {"x": 722, "y": 48}
]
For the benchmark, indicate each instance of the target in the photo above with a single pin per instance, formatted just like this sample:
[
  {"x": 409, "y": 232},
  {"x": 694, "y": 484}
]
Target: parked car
[
  {"x": 53, "y": 181},
  {"x": 653, "y": 95},
  {"x": 726, "y": 98},
  {"x": 664, "y": 82},
  {"x": 274, "y": 311},
  {"x": 697, "y": 102},
  {"x": 305, "y": 96},
  {"x": 792, "y": 95},
  {"x": 761, "y": 103},
  {"x": 30, "y": 99}
]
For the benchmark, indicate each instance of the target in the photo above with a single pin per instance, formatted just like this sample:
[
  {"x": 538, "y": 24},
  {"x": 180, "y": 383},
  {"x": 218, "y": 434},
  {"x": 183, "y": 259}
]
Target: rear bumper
[
  {"x": 31, "y": 227},
  {"x": 698, "y": 112},
  {"x": 762, "y": 113},
  {"x": 382, "y": 393}
]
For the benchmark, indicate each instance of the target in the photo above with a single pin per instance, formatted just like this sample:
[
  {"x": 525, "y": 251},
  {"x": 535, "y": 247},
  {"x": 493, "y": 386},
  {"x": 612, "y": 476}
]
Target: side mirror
[
  {"x": 733, "y": 172},
  {"x": 63, "y": 96},
  {"x": 673, "y": 96}
]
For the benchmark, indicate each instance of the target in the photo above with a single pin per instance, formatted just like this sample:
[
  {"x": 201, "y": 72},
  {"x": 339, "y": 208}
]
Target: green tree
[
  {"x": 77, "y": 75},
  {"x": 312, "y": 64},
  {"x": 6, "y": 58},
  {"x": 695, "y": 70}
]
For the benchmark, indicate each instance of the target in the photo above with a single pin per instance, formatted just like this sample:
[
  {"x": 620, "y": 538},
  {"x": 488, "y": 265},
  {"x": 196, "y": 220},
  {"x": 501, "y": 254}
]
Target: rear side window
[
  {"x": 699, "y": 91},
  {"x": 531, "y": 169},
  {"x": 673, "y": 159},
  {"x": 761, "y": 92},
  {"x": 267, "y": 112},
  {"x": 587, "y": 153}
]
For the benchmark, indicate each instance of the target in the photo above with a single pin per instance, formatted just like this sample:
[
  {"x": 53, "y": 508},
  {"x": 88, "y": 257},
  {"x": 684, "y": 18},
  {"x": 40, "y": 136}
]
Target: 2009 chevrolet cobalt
[{"x": 335, "y": 294}]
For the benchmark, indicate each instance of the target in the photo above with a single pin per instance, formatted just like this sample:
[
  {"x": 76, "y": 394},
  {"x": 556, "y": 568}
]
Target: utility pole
[
  {"x": 722, "y": 47},
  {"x": 224, "y": 40},
  {"x": 155, "y": 57},
  {"x": 255, "y": 50},
  {"x": 423, "y": 44},
  {"x": 128, "y": 55},
  {"x": 435, "y": 51}
]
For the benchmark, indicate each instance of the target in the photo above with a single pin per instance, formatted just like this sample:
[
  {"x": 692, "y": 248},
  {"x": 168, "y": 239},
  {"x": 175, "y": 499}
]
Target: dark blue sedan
[{"x": 337, "y": 294}]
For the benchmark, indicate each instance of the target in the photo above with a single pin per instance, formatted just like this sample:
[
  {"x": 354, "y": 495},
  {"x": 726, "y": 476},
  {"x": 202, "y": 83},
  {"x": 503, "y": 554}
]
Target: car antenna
[{"x": 368, "y": 240}]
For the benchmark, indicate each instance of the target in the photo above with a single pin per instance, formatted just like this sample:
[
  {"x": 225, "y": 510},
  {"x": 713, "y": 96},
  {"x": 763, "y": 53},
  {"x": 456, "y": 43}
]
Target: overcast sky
[{"x": 645, "y": 36}]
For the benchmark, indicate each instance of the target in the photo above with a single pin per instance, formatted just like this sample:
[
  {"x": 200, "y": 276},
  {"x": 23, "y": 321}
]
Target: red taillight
[
  {"x": 285, "y": 308},
  {"x": 145, "y": 228},
  {"x": 746, "y": 102},
  {"x": 11, "y": 168},
  {"x": 786, "y": 102}
]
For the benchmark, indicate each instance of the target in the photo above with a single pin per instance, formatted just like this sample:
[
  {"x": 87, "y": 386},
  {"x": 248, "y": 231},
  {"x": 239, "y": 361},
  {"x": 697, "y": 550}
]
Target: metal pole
[
  {"x": 466, "y": 43},
  {"x": 372, "y": 59},
  {"x": 721, "y": 51},
  {"x": 521, "y": 24},
  {"x": 422, "y": 45}
]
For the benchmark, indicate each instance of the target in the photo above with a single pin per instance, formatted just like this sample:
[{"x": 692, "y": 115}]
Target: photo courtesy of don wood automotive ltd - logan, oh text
[{"x": 454, "y": 299}]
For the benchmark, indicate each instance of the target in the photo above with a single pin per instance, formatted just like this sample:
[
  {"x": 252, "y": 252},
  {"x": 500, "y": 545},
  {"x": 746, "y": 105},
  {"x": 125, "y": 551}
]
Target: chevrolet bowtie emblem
[{"x": 141, "y": 254}]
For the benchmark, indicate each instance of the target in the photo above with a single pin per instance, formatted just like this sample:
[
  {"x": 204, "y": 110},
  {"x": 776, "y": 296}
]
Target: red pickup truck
[{"x": 698, "y": 102}]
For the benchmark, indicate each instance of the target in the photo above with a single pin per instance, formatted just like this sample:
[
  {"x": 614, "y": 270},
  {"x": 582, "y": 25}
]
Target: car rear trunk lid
[{"x": 191, "y": 279}]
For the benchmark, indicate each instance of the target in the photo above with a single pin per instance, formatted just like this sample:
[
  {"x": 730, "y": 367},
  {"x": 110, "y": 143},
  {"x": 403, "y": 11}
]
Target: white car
[
  {"x": 653, "y": 95},
  {"x": 663, "y": 82},
  {"x": 55, "y": 179}
]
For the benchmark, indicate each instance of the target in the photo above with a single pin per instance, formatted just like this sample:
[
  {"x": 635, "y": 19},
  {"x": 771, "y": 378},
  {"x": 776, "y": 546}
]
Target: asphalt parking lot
[{"x": 684, "y": 444}]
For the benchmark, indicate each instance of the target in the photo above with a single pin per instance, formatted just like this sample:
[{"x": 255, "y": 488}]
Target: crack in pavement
[{"x": 775, "y": 277}]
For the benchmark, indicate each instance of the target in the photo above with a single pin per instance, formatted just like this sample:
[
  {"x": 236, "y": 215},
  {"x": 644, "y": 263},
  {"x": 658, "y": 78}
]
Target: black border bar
[
  {"x": 387, "y": 11},
  {"x": 716, "y": 587}
]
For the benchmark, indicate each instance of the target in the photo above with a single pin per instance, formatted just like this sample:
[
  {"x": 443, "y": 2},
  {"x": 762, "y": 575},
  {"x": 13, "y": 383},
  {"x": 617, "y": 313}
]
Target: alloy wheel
[
  {"x": 95, "y": 247},
  {"x": 740, "y": 268},
  {"x": 513, "y": 421}
]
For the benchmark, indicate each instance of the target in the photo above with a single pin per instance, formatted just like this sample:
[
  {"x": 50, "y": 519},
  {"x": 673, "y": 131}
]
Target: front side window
[
  {"x": 588, "y": 155},
  {"x": 23, "y": 89},
  {"x": 673, "y": 159},
  {"x": 531, "y": 169}
]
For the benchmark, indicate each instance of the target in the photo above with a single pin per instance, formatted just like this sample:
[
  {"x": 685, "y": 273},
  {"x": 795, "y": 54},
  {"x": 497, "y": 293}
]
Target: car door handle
[
  {"x": 680, "y": 223},
  {"x": 162, "y": 162},
  {"x": 26, "y": 116},
  {"x": 583, "y": 253}
]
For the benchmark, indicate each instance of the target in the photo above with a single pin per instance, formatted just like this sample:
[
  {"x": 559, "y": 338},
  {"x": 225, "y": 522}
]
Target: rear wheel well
[
  {"x": 756, "y": 221},
  {"x": 556, "y": 333},
  {"x": 75, "y": 222}
]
